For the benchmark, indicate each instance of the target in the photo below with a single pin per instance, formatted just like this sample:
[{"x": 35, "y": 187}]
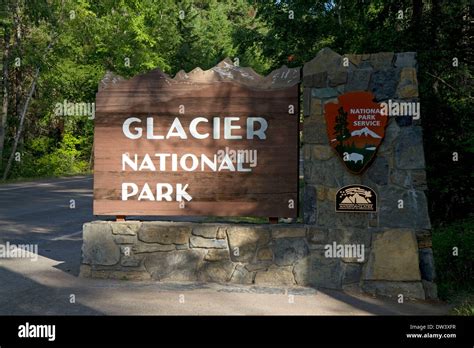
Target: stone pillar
[{"x": 397, "y": 240}]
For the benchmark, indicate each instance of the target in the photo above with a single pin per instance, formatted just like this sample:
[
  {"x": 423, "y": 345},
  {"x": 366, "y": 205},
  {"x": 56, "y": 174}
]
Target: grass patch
[{"x": 463, "y": 302}]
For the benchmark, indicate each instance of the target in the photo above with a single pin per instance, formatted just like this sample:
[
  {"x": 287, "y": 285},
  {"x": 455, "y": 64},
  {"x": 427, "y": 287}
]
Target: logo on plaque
[
  {"x": 355, "y": 126},
  {"x": 356, "y": 198}
]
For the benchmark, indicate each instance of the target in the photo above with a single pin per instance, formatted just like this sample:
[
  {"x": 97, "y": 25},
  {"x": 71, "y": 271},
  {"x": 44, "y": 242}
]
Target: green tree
[{"x": 340, "y": 128}]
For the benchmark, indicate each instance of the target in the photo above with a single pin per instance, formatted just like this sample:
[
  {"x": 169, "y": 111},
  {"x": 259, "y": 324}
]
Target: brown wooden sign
[{"x": 220, "y": 142}]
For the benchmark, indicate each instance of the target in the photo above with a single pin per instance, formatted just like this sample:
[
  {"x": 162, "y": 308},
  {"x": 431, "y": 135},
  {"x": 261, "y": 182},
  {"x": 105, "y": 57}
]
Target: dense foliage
[
  {"x": 64, "y": 47},
  {"x": 454, "y": 261}
]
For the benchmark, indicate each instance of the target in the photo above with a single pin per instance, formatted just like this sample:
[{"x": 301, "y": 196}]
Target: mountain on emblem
[
  {"x": 355, "y": 127},
  {"x": 365, "y": 131},
  {"x": 356, "y": 198}
]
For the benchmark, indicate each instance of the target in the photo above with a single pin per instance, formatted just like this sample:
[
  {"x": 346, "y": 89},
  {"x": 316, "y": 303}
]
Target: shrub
[{"x": 455, "y": 273}]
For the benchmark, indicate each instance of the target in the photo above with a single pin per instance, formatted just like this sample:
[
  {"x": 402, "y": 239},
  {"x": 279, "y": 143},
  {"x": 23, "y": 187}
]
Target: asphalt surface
[{"x": 40, "y": 213}]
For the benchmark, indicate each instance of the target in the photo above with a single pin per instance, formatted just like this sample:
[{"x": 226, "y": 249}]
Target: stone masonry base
[{"x": 279, "y": 255}]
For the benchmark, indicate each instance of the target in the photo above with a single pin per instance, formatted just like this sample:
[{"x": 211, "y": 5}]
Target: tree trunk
[
  {"x": 22, "y": 121},
  {"x": 17, "y": 42},
  {"x": 19, "y": 95},
  {"x": 4, "y": 116}
]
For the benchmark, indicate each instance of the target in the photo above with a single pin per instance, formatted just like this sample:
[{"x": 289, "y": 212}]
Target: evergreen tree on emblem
[{"x": 340, "y": 128}]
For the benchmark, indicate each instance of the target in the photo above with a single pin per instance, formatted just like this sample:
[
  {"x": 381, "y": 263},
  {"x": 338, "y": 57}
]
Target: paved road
[{"x": 40, "y": 213}]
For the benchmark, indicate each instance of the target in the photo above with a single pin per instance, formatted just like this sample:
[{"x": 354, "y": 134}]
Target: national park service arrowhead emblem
[{"x": 355, "y": 126}]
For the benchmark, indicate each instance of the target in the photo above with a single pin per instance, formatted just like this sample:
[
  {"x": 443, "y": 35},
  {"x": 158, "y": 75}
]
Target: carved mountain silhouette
[
  {"x": 225, "y": 71},
  {"x": 365, "y": 131}
]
